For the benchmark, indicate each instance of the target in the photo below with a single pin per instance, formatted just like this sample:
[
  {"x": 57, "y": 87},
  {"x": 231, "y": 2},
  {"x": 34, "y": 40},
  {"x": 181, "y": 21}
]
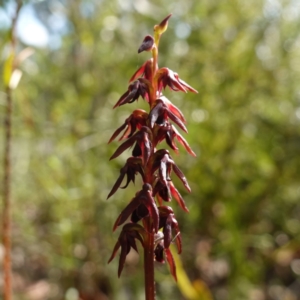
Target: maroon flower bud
[
  {"x": 147, "y": 44},
  {"x": 163, "y": 25}
]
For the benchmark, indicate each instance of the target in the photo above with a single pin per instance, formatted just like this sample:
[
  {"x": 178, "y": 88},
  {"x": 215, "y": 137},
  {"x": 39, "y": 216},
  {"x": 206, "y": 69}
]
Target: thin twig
[
  {"x": 6, "y": 199},
  {"x": 7, "y": 293}
]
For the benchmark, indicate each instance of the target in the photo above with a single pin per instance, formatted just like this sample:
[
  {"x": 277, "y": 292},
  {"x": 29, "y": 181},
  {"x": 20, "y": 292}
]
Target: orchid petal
[
  {"x": 181, "y": 176},
  {"x": 177, "y": 196},
  {"x": 114, "y": 253},
  {"x": 127, "y": 144},
  {"x": 126, "y": 212},
  {"x": 117, "y": 132},
  {"x": 171, "y": 262},
  {"x": 117, "y": 183}
]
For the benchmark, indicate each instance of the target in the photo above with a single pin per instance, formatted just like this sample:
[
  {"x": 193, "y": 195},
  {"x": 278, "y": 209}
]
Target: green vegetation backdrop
[{"x": 242, "y": 236}]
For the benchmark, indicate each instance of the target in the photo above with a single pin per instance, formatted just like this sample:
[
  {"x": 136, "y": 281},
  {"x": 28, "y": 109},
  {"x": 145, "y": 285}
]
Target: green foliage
[{"x": 242, "y": 234}]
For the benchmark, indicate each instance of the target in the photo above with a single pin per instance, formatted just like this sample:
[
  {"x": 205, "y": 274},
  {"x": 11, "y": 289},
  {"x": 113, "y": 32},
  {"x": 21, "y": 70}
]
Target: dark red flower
[
  {"x": 168, "y": 132},
  {"x": 168, "y": 222},
  {"x": 163, "y": 162},
  {"x": 135, "y": 121},
  {"x": 165, "y": 77},
  {"x": 136, "y": 89},
  {"x": 161, "y": 112},
  {"x": 132, "y": 167},
  {"x": 145, "y": 198},
  {"x": 143, "y": 144},
  {"x": 164, "y": 191},
  {"x": 126, "y": 241},
  {"x": 160, "y": 252}
]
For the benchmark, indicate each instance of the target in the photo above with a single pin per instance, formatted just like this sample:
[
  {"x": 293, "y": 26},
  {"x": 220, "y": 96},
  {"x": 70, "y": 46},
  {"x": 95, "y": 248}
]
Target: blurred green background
[{"x": 242, "y": 236}]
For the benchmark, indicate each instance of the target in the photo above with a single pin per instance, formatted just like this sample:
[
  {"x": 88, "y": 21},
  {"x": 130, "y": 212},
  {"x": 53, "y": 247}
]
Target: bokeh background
[{"x": 241, "y": 239}]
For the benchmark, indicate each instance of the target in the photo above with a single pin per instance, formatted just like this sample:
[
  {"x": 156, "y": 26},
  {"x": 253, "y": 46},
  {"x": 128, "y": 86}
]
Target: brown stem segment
[
  {"x": 6, "y": 199},
  {"x": 149, "y": 247},
  {"x": 149, "y": 267},
  {"x": 7, "y": 289}
]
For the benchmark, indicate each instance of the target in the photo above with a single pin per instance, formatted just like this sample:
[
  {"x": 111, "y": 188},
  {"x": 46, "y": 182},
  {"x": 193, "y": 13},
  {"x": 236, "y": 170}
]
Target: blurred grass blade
[
  {"x": 7, "y": 70},
  {"x": 15, "y": 78},
  {"x": 191, "y": 291}
]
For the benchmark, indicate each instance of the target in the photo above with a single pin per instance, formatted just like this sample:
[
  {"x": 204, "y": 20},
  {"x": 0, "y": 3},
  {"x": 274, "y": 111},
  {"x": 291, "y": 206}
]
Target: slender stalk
[
  {"x": 7, "y": 290},
  {"x": 155, "y": 59},
  {"x": 149, "y": 242},
  {"x": 149, "y": 249},
  {"x": 6, "y": 199},
  {"x": 149, "y": 267}
]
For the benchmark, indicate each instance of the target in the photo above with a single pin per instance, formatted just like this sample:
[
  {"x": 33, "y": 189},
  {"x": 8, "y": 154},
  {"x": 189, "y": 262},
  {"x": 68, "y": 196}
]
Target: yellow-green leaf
[{"x": 8, "y": 68}]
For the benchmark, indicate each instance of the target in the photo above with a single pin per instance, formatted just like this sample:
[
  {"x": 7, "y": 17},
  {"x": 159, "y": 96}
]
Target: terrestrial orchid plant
[{"x": 151, "y": 223}]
